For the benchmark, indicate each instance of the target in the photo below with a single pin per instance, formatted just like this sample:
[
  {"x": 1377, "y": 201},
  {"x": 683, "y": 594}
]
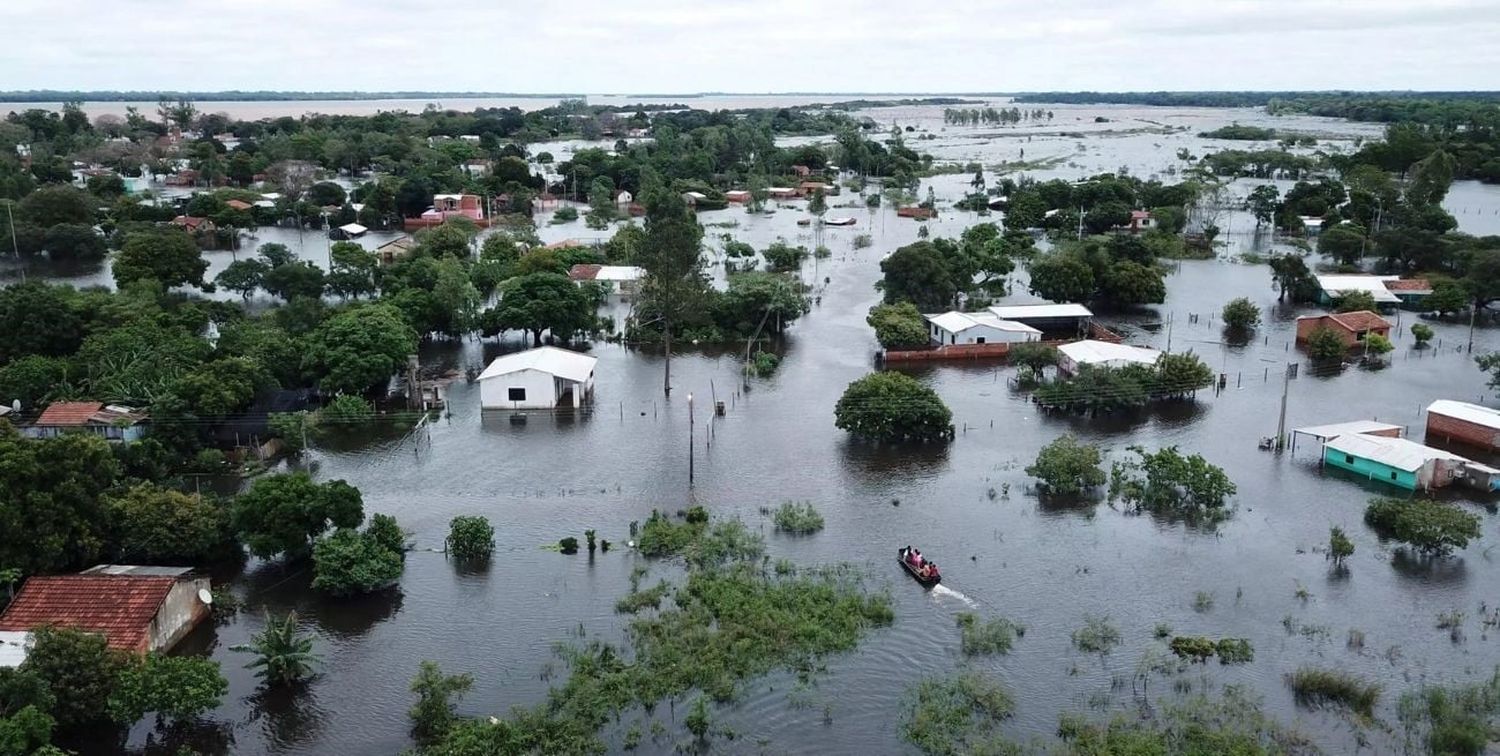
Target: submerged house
[
  {"x": 1464, "y": 422},
  {"x": 624, "y": 278},
  {"x": 1387, "y": 290},
  {"x": 1405, "y": 464},
  {"x": 977, "y": 328},
  {"x": 537, "y": 378},
  {"x": 137, "y": 609},
  {"x": 1070, "y": 319},
  {"x": 113, "y": 422},
  {"x": 1351, "y": 327},
  {"x": 1072, "y": 357}
]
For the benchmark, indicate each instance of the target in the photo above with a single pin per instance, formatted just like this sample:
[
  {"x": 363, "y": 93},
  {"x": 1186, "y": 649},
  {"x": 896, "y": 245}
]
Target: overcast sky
[{"x": 683, "y": 46}]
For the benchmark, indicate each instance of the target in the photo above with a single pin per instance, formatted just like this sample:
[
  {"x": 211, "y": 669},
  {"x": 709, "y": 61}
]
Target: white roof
[
  {"x": 1089, "y": 352},
  {"x": 780, "y": 189},
  {"x": 273, "y": 196},
  {"x": 1467, "y": 412},
  {"x": 620, "y": 273},
  {"x": 264, "y": 203},
  {"x": 955, "y": 322},
  {"x": 14, "y": 645},
  {"x": 1334, "y": 430},
  {"x": 437, "y": 197},
  {"x": 1373, "y": 284},
  {"x": 1016, "y": 312},
  {"x": 1391, "y": 452},
  {"x": 353, "y": 228},
  {"x": 562, "y": 363}
]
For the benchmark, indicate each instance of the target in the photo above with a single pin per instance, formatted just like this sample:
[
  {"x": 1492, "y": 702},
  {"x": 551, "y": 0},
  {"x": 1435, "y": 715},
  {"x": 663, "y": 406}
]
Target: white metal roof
[
  {"x": 1020, "y": 311},
  {"x": 1333, "y": 430},
  {"x": 955, "y": 322},
  {"x": 353, "y": 229},
  {"x": 1391, "y": 452},
  {"x": 620, "y": 273},
  {"x": 1374, "y": 284},
  {"x": 14, "y": 645},
  {"x": 1467, "y": 412},
  {"x": 1089, "y": 352},
  {"x": 562, "y": 363}
]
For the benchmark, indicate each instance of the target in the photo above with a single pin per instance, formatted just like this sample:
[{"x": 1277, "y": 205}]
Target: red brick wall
[{"x": 1442, "y": 427}]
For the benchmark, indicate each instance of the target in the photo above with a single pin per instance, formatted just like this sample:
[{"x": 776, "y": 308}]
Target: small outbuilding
[
  {"x": 136, "y": 609},
  {"x": 625, "y": 278},
  {"x": 537, "y": 378},
  {"x": 1072, "y": 357},
  {"x": 977, "y": 328},
  {"x": 1464, "y": 422},
  {"x": 1049, "y": 318},
  {"x": 1397, "y": 461},
  {"x": 1331, "y": 287}
]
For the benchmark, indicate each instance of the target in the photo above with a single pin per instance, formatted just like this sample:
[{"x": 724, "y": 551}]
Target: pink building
[{"x": 445, "y": 206}]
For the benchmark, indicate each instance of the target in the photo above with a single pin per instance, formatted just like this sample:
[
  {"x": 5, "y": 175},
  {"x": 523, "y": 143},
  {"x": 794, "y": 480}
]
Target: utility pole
[
  {"x": 15, "y": 248},
  {"x": 690, "y": 440},
  {"x": 1473, "y": 312},
  {"x": 1286, "y": 382}
]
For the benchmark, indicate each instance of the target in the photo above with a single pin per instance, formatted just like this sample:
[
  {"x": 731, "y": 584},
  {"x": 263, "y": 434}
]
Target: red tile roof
[
  {"x": 120, "y": 607},
  {"x": 584, "y": 272},
  {"x": 1362, "y": 320},
  {"x": 1409, "y": 284},
  {"x": 235, "y": 204},
  {"x": 69, "y": 413}
]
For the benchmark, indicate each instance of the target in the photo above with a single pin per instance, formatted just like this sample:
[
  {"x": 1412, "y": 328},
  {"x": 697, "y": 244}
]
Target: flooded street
[{"x": 969, "y": 505}]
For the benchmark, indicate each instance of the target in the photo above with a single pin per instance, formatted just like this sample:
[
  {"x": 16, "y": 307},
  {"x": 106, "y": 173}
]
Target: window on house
[
  {"x": 979, "y": 340},
  {"x": 516, "y": 394},
  {"x": 1348, "y": 458},
  {"x": 1393, "y": 475}
]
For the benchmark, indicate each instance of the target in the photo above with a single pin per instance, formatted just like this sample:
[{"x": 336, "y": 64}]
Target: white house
[
  {"x": 537, "y": 379},
  {"x": 623, "y": 197},
  {"x": 1072, "y": 357},
  {"x": 977, "y": 328}
]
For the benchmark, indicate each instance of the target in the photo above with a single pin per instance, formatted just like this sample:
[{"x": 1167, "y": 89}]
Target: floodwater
[{"x": 968, "y": 505}]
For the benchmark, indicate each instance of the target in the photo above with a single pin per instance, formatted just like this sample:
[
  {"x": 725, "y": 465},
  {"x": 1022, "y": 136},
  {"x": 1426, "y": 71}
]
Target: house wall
[
  {"x": 1370, "y": 469},
  {"x": 1306, "y": 326},
  {"x": 179, "y": 614},
  {"x": 541, "y": 390},
  {"x": 974, "y": 334},
  {"x": 1454, "y": 429}
]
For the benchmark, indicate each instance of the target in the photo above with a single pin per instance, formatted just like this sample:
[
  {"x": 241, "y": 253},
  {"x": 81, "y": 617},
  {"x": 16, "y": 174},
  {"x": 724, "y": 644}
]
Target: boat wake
[{"x": 943, "y": 591}]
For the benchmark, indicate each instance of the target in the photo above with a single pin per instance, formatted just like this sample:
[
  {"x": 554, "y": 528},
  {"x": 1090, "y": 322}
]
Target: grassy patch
[
  {"x": 691, "y": 537},
  {"x": 1096, "y": 636},
  {"x": 1231, "y": 724},
  {"x": 993, "y": 637},
  {"x": 1457, "y": 719},
  {"x": 957, "y": 715},
  {"x": 797, "y": 518},
  {"x": 1334, "y": 687},
  {"x": 637, "y": 600}
]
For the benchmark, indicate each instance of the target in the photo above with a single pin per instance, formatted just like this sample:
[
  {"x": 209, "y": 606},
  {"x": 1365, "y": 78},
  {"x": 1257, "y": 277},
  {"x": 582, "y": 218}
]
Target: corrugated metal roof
[
  {"x": 954, "y": 322},
  {"x": 1090, "y": 352},
  {"x": 1467, "y": 412},
  {"x": 1333, "y": 430},
  {"x": 1375, "y": 285},
  {"x": 1398, "y": 453},
  {"x": 136, "y": 569},
  {"x": 120, "y": 607},
  {"x": 1021, "y": 312},
  {"x": 562, "y": 363}
]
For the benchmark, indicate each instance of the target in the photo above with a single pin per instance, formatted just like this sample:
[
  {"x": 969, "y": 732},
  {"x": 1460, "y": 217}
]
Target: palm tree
[{"x": 283, "y": 656}]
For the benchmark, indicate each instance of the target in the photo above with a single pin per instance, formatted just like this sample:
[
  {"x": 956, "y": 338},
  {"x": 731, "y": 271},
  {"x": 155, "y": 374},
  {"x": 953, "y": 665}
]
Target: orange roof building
[
  {"x": 1352, "y": 327},
  {"x": 137, "y": 609}
]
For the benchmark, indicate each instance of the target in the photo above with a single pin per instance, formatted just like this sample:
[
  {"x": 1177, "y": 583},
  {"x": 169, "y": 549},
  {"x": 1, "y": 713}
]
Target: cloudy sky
[{"x": 681, "y": 46}]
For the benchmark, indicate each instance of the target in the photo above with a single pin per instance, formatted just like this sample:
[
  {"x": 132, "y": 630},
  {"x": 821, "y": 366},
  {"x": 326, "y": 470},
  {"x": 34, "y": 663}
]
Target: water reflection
[
  {"x": 1430, "y": 570},
  {"x": 201, "y": 737},
  {"x": 1085, "y": 505},
  {"x": 288, "y": 716},
  {"x": 883, "y": 463}
]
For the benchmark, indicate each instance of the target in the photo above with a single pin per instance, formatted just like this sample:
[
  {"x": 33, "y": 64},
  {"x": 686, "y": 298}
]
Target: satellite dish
[{"x": 205, "y": 596}]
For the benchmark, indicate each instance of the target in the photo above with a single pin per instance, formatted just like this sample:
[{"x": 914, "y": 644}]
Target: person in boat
[
  {"x": 930, "y": 570},
  {"x": 915, "y": 557}
]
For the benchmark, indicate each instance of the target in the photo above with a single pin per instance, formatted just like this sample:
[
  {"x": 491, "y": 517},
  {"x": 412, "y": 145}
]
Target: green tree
[
  {"x": 79, "y": 670},
  {"x": 33, "y": 380},
  {"x": 223, "y": 386},
  {"x": 1291, "y": 275},
  {"x": 25, "y": 725},
  {"x": 1422, "y": 333},
  {"x": 294, "y": 280},
  {"x": 56, "y": 204},
  {"x": 1034, "y": 356},
  {"x": 242, "y": 276},
  {"x": 387, "y": 533},
  {"x": 457, "y": 297},
  {"x": 352, "y": 272},
  {"x": 155, "y": 525},
  {"x": 675, "y": 283},
  {"x": 350, "y": 562},
  {"x": 51, "y": 512},
  {"x": 1167, "y": 482},
  {"x": 782, "y": 257},
  {"x": 176, "y": 688},
  {"x": 37, "y": 318},
  {"x": 891, "y": 406},
  {"x": 285, "y": 514},
  {"x": 1447, "y": 297},
  {"x": 326, "y": 194},
  {"x": 1339, "y": 546},
  {"x": 169, "y": 256},
  {"x": 451, "y": 239},
  {"x": 541, "y": 302},
  {"x": 1355, "y": 301},
  {"x": 283, "y": 656},
  {"x": 918, "y": 273},
  {"x": 1067, "y": 467},
  {"x": 1263, "y": 202},
  {"x": 74, "y": 242},
  {"x": 1177, "y": 375},
  {"x": 1062, "y": 278},
  {"x": 898, "y": 326},
  {"x": 435, "y": 712},
  {"x": 1241, "y": 313},
  {"x": 1325, "y": 344},
  {"x": 470, "y": 538},
  {"x": 1375, "y": 344},
  {"x": 1432, "y": 527},
  {"x": 1130, "y": 283},
  {"x": 1344, "y": 242},
  {"x": 359, "y": 348}
]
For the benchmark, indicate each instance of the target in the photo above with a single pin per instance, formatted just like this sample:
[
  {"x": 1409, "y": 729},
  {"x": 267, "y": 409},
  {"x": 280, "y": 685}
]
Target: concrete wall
[
  {"x": 179, "y": 614},
  {"x": 541, "y": 390},
  {"x": 1454, "y": 429},
  {"x": 972, "y": 335},
  {"x": 1370, "y": 469}
]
